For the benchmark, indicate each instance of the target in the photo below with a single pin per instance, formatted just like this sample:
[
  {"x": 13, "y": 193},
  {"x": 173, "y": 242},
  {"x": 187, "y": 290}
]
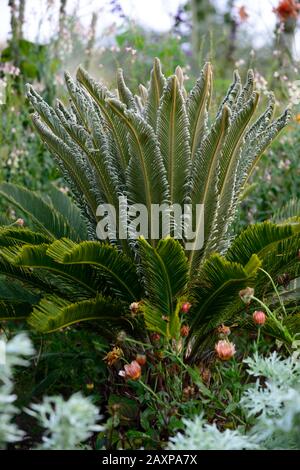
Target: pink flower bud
[
  {"x": 225, "y": 350},
  {"x": 259, "y": 317},
  {"x": 186, "y": 307},
  {"x": 141, "y": 359}
]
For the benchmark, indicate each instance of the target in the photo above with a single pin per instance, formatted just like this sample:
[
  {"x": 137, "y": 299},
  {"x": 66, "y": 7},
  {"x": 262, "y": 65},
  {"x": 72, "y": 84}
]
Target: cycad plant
[{"x": 162, "y": 145}]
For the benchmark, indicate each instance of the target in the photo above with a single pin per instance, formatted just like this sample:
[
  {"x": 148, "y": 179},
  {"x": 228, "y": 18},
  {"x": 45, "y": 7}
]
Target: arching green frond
[
  {"x": 4, "y": 220},
  {"x": 292, "y": 323},
  {"x": 173, "y": 136},
  {"x": 197, "y": 107},
  {"x": 216, "y": 294},
  {"x": 13, "y": 235},
  {"x": 63, "y": 203},
  {"x": 82, "y": 279},
  {"x": 44, "y": 217},
  {"x": 167, "y": 326},
  {"x": 282, "y": 331},
  {"x": 118, "y": 270},
  {"x": 154, "y": 320},
  {"x": 54, "y": 313},
  {"x": 164, "y": 271},
  {"x": 260, "y": 239},
  {"x": 155, "y": 91},
  {"x": 276, "y": 246},
  {"x": 16, "y": 302}
]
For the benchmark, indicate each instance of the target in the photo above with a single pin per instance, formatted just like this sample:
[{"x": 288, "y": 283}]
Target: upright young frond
[
  {"x": 146, "y": 176},
  {"x": 155, "y": 91},
  {"x": 227, "y": 172},
  {"x": 125, "y": 94},
  {"x": 116, "y": 127},
  {"x": 197, "y": 107},
  {"x": 204, "y": 180},
  {"x": 173, "y": 136},
  {"x": 232, "y": 93}
]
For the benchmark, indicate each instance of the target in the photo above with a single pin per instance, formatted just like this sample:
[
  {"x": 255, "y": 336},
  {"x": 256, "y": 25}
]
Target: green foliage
[{"x": 161, "y": 146}]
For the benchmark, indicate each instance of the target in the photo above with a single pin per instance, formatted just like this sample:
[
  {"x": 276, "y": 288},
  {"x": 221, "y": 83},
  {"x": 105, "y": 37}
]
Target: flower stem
[{"x": 275, "y": 289}]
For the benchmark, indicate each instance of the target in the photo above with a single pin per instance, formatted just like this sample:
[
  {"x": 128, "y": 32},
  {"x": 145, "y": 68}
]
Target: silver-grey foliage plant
[
  {"x": 271, "y": 404},
  {"x": 67, "y": 423}
]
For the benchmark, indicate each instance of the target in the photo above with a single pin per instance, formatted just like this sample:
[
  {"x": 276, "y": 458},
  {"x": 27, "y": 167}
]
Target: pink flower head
[
  {"x": 131, "y": 371},
  {"x": 225, "y": 350}
]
